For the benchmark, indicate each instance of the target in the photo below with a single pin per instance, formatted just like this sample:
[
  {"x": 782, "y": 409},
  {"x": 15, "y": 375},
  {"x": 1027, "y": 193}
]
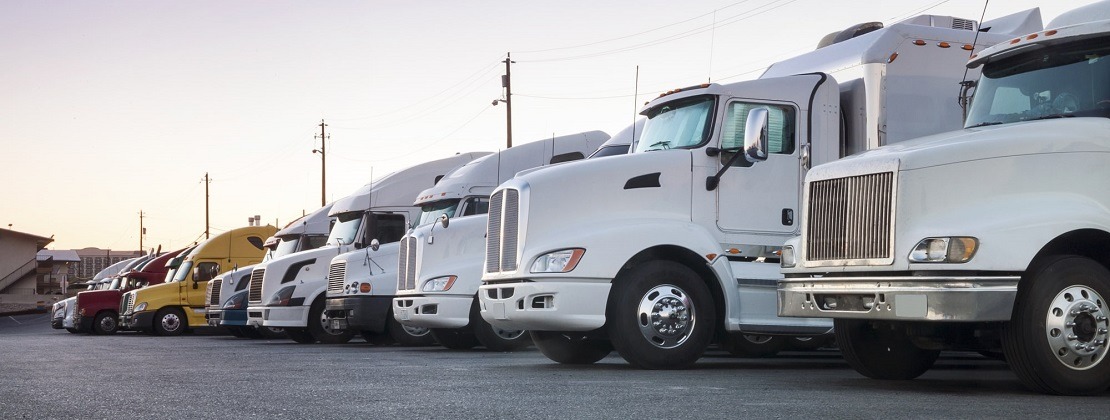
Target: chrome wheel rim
[
  {"x": 107, "y": 323},
  {"x": 508, "y": 335},
  {"x": 1076, "y": 327},
  {"x": 326, "y": 325},
  {"x": 666, "y": 316},
  {"x": 171, "y": 322},
  {"x": 758, "y": 339},
  {"x": 415, "y": 331}
]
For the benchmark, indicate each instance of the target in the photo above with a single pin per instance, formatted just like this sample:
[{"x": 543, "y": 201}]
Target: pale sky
[{"x": 112, "y": 107}]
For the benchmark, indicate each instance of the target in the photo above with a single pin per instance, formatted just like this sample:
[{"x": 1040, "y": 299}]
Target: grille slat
[
  {"x": 410, "y": 263},
  {"x": 493, "y": 232},
  {"x": 254, "y": 295},
  {"x": 502, "y": 231},
  {"x": 849, "y": 218},
  {"x": 336, "y": 274},
  {"x": 509, "y": 230}
]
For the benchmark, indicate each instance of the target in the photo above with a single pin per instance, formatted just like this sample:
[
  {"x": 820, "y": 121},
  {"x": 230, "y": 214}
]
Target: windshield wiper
[
  {"x": 1052, "y": 116},
  {"x": 665, "y": 143},
  {"x": 984, "y": 124}
]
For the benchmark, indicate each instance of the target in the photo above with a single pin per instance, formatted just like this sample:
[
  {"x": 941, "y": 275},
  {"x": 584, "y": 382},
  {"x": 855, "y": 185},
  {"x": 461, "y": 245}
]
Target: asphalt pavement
[{"x": 47, "y": 373}]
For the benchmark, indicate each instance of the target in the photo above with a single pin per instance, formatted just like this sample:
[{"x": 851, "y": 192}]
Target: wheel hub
[
  {"x": 666, "y": 316},
  {"x": 107, "y": 323},
  {"x": 171, "y": 322},
  {"x": 1076, "y": 326}
]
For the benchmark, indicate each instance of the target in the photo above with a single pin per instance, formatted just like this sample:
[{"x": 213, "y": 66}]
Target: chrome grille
[
  {"x": 335, "y": 277},
  {"x": 254, "y": 295},
  {"x": 128, "y": 303},
  {"x": 501, "y": 231},
  {"x": 850, "y": 218},
  {"x": 406, "y": 261},
  {"x": 213, "y": 292}
]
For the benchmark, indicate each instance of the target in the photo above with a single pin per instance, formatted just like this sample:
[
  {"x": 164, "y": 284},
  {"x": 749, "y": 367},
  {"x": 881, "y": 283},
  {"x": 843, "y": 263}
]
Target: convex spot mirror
[
  {"x": 444, "y": 220},
  {"x": 374, "y": 244},
  {"x": 755, "y": 135}
]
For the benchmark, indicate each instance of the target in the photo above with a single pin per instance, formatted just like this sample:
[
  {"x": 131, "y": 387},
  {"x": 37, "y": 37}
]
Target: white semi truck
[
  {"x": 993, "y": 238},
  {"x": 440, "y": 267},
  {"x": 227, "y": 294},
  {"x": 661, "y": 252},
  {"x": 288, "y": 292}
]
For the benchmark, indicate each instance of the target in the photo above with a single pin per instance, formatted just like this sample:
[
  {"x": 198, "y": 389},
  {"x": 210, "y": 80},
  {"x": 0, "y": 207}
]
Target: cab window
[
  {"x": 780, "y": 127},
  {"x": 475, "y": 205}
]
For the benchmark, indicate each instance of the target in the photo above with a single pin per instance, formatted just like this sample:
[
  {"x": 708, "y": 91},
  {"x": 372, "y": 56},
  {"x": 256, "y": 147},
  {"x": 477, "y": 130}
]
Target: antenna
[
  {"x": 635, "y": 99},
  {"x": 965, "y": 86}
]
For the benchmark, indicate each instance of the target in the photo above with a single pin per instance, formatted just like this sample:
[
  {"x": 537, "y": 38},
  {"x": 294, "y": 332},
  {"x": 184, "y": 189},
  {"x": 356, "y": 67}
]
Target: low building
[
  {"x": 54, "y": 268},
  {"x": 19, "y": 268},
  {"x": 95, "y": 259}
]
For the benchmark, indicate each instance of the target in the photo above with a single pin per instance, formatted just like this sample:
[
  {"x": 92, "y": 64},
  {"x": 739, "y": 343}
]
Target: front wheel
[
  {"x": 661, "y": 316},
  {"x": 497, "y": 339},
  {"x": 300, "y": 335},
  {"x": 73, "y": 330},
  {"x": 321, "y": 329},
  {"x": 570, "y": 348},
  {"x": 1056, "y": 340},
  {"x": 105, "y": 323},
  {"x": 169, "y": 322},
  {"x": 455, "y": 338},
  {"x": 751, "y": 345},
  {"x": 406, "y": 335},
  {"x": 881, "y": 350}
]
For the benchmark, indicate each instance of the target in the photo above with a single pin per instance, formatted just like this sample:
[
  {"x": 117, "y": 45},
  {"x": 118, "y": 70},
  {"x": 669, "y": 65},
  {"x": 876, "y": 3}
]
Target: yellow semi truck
[{"x": 177, "y": 305}]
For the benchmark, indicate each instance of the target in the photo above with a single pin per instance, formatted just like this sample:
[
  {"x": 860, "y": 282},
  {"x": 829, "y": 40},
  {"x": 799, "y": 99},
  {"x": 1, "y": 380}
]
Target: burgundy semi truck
[{"x": 96, "y": 309}]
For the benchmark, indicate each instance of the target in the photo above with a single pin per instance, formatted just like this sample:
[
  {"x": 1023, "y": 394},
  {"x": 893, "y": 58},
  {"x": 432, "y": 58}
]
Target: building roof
[
  {"x": 66, "y": 255},
  {"x": 41, "y": 241}
]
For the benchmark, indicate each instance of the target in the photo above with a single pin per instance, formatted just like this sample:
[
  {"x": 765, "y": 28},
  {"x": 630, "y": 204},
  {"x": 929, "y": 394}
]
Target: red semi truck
[{"x": 96, "y": 309}]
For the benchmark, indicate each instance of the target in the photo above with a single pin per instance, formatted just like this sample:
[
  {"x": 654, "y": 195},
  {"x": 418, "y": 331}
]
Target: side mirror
[
  {"x": 374, "y": 244},
  {"x": 755, "y": 135},
  {"x": 444, "y": 220}
]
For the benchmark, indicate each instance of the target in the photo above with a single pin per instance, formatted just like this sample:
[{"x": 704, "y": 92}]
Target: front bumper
[
  {"x": 213, "y": 317},
  {"x": 140, "y": 321},
  {"x": 283, "y": 316},
  {"x": 56, "y": 323},
  {"x": 960, "y": 299},
  {"x": 436, "y": 311},
  {"x": 566, "y": 305},
  {"x": 359, "y": 313},
  {"x": 233, "y": 318}
]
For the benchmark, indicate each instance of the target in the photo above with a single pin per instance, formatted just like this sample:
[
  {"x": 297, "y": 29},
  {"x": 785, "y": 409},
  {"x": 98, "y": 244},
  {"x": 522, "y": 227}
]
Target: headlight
[
  {"x": 440, "y": 284},
  {"x": 282, "y": 297},
  {"x": 952, "y": 249},
  {"x": 236, "y": 301},
  {"x": 561, "y": 261},
  {"x": 788, "y": 259},
  {"x": 140, "y": 307}
]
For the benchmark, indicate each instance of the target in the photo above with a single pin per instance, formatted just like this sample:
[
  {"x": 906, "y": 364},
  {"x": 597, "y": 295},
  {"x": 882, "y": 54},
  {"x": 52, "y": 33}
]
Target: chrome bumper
[{"x": 965, "y": 299}]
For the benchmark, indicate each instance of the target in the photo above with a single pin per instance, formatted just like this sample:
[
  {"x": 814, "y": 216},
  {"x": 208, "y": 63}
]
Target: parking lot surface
[{"x": 46, "y": 373}]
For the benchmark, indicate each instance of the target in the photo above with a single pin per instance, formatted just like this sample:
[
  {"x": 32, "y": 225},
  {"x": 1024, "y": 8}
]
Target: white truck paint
[
  {"x": 441, "y": 265},
  {"x": 994, "y": 238},
  {"x": 288, "y": 292},
  {"x": 226, "y": 296},
  {"x": 657, "y": 252}
]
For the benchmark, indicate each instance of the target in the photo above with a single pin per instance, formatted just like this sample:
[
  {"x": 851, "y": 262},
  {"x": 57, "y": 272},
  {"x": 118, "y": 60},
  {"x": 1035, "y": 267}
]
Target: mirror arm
[{"x": 712, "y": 182}]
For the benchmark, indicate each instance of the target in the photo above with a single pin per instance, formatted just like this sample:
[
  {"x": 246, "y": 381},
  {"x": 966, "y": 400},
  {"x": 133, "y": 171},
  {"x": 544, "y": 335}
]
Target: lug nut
[{"x": 1072, "y": 337}]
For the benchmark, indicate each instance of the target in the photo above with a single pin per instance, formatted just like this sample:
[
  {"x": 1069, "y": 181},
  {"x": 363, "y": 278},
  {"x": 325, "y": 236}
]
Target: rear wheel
[
  {"x": 1056, "y": 340},
  {"x": 106, "y": 323},
  {"x": 751, "y": 345},
  {"x": 662, "y": 317},
  {"x": 321, "y": 329},
  {"x": 881, "y": 350},
  {"x": 570, "y": 348},
  {"x": 169, "y": 322},
  {"x": 455, "y": 339},
  {"x": 494, "y": 338}
]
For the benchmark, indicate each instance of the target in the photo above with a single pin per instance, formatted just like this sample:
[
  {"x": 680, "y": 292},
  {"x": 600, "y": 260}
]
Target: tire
[
  {"x": 406, "y": 335},
  {"x": 320, "y": 328},
  {"x": 73, "y": 330},
  {"x": 496, "y": 339},
  {"x": 455, "y": 339},
  {"x": 570, "y": 348},
  {"x": 882, "y": 352},
  {"x": 750, "y": 345},
  {"x": 809, "y": 343},
  {"x": 170, "y": 322},
  {"x": 105, "y": 323},
  {"x": 300, "y": 335},
  {"x": 378, "y": 339},
  {"x": 1056, "y": 339},
  {"x": 270, "y": 333},
  {"x": 660, "y": 316},
  {"x": 237, "y": 332}
]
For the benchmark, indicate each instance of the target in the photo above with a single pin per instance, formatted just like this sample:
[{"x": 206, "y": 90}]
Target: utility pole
[
  {"x": 506, "y": 83},
  {"x": 206, "y": 182},
  {"x": 323, "y": 164},
  {"x": 142, "y": 230}
]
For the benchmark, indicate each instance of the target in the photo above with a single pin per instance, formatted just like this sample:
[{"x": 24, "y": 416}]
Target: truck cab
[
  {"x": 990, "y": 238},
  {"x": 440, "y": 267},
  {"x": 226, "y": 299},
  {"x": 173, "y": 307},
  {"x": 289, "y": 292},
  {"x": 664, "y": 251},
  {"x": 97, "y": 310},
  {"x": 96, "y": 283}
]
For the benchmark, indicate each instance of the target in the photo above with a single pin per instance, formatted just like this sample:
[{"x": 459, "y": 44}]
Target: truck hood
[{"x": 970, "y": 144}]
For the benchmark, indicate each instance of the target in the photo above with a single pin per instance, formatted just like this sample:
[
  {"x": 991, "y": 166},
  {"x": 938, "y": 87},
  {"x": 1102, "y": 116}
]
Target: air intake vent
[
  {"x": 336, "y": 274},
  {"x": 214, "y": 291},
  {"x": 406, "y": 260},
  {"x": 254, "y": 295},
  {"x": 963, "y": 24},
  {"x": 502, "y": 231}
]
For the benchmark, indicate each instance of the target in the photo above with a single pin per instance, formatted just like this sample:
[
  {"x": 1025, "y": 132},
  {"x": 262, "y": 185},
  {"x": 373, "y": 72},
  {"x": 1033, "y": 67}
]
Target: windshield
[
  {"x": 345, "y": 228},
  {"x": 115, "y": 284},
  {"x": 431, "y": 211},
  {"x": 288, "y": 245},
  {"x": 183, "y": 271},
  {"x": 1071, "y": 80},
  {"x": 683, "y": 123}
]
